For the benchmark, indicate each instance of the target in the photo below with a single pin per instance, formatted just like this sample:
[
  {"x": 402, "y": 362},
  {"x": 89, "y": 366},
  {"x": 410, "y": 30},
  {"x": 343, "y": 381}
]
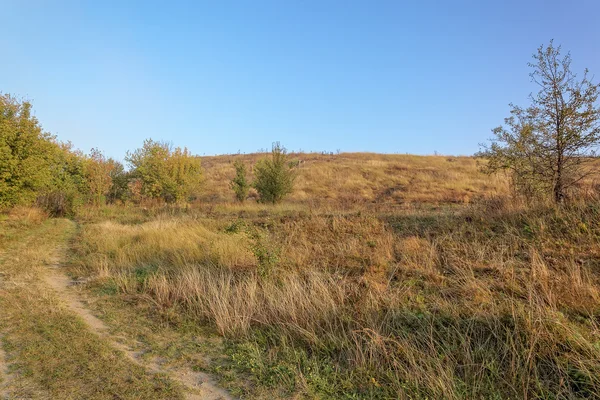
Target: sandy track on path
[
  {"x": 5, "y": 376},
  {"x": 200, "y": 386}
]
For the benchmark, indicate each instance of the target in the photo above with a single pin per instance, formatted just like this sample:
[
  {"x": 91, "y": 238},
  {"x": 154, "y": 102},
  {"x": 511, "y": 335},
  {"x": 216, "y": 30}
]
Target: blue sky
[{"x": 222, "y": 76}]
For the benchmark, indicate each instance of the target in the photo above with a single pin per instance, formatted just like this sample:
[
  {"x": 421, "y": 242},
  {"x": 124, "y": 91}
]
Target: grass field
[{"x": 381, "y": 277}]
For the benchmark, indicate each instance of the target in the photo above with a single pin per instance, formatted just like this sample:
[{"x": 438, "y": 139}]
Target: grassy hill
[
  {"x": 380, "y": 277},
  {"x": 360, "y": 178}
]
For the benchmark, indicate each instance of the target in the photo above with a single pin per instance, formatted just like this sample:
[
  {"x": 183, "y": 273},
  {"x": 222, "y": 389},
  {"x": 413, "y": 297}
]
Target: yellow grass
[
  {"x": 349, "y": 178},
  {"x": 381, "y": 276},
  {"x": 50, "y": 353},
  {"x": 494, "y": 300}
]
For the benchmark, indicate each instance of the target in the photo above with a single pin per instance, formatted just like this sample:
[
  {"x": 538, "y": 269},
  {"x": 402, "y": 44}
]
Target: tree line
[{"x": 37, "y": 168}]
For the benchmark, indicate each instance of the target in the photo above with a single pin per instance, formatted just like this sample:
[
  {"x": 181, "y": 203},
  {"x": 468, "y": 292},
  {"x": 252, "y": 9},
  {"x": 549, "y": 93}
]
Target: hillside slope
[{"x": 350, "y": 178}]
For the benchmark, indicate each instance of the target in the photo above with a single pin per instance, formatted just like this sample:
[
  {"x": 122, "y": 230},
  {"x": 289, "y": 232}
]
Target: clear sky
[{"x": 222, "y": 76}]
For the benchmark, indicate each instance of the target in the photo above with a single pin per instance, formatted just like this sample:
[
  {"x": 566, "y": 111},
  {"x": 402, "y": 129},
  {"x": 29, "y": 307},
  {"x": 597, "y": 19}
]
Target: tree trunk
[
  {"x": 559, "y": 194},
  {"x": 558, "y": 184}
]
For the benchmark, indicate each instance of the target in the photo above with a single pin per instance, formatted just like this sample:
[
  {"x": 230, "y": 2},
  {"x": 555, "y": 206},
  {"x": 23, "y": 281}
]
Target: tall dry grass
[{"x": 494, "y": 301}]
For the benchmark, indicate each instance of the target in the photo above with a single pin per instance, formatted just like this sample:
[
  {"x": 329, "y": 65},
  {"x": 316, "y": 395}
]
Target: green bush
[
  {"x": 173, "y": 175},
  {"x": 274, "y": 177},
  {"x": 239, "y": 183}
]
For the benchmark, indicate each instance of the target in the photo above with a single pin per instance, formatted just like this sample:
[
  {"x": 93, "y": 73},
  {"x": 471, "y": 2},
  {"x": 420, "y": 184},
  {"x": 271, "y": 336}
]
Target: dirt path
[
  {"x": 5, "y": 376},
  {"x": 199, "y": 386},
  {"x": 47, "y": 330}
]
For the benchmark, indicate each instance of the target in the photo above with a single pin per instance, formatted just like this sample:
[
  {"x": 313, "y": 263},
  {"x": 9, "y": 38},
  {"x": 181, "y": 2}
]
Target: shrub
[
  {"x": 274, "y": 177},
  {"x": 172, "y": 175},
  {"x": 239, "y": 183},
  {"x": 26, "y": 153}
]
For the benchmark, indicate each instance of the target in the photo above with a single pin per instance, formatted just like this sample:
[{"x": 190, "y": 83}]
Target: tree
[
  {"x": 34, "y": 166},
  {"x": 274, "y": 177},
  {"x": 119, "y": 188},
  {"x": 239, "y": 183},
  {"x": 165, "y": 173},
  {"x": 26, "y": 152},
  {"x": 546, "y": 145},
  {"x": 185, "y": 173},
  {"x": 67, "y": 188},
  {"x": 98, "y": 171}
]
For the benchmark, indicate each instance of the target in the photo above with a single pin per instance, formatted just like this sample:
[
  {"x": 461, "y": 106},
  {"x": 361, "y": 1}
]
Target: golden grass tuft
[
  {"x": 170, "y": 243},
  {"x": 26, "y": 216}
]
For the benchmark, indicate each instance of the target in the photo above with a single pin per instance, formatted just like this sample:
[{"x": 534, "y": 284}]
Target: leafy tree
[
  {"x": 98, "y": 174},
  {"x": 34, "y": 166},
  {"x": 148, "y": 164},
  {"x": 185, "y": 172},
  {"x": 67, "y": 188},
  {"x": 119, "y": 178},
  {"x": 239, "y": 183},
  {"x": 546, "y": 145},
  {"x": 164, "y": 173},
  {"x": 25, "y": 153},
  {"x": 274, "y": 177}
]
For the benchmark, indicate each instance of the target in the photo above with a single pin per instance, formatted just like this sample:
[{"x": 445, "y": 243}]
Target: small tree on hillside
[
  {"x": 239, "y": 183},
  {"x": 274, "y": 177},
  {"x": 546, "y": 145}
]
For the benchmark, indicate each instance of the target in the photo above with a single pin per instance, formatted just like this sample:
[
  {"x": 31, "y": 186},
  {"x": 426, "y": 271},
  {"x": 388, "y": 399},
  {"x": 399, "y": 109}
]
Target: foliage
[
  {"x": 98, "y": 171},
  {"x": 267, "y": 253},
  {"x": 68, "y": 187},
  {"x": 239, "y": 183},
  {"x": 34, "y": 166},
  {"x": 172, "y": 175},
  {"x": 119, "y": 188},
  {"x": 26, "y": 153},
  {"x": 274, "y": 177},
  {"x": 546, "y": 145}
]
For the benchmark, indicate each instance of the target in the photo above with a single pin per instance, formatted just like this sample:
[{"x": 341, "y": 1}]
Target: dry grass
[
  {"x": 27, "y": 215},
  {"x": 491, "y": 301},
  {"x": 349, "y": 178},
  {"x": 170, "y": 243},
  {"x": 381, "y": 277},
  {"x": 50, "y": 352}
]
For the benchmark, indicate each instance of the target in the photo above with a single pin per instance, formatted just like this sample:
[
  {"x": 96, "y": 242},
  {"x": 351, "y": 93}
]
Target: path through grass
[{"x": 48, "y": 351}]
